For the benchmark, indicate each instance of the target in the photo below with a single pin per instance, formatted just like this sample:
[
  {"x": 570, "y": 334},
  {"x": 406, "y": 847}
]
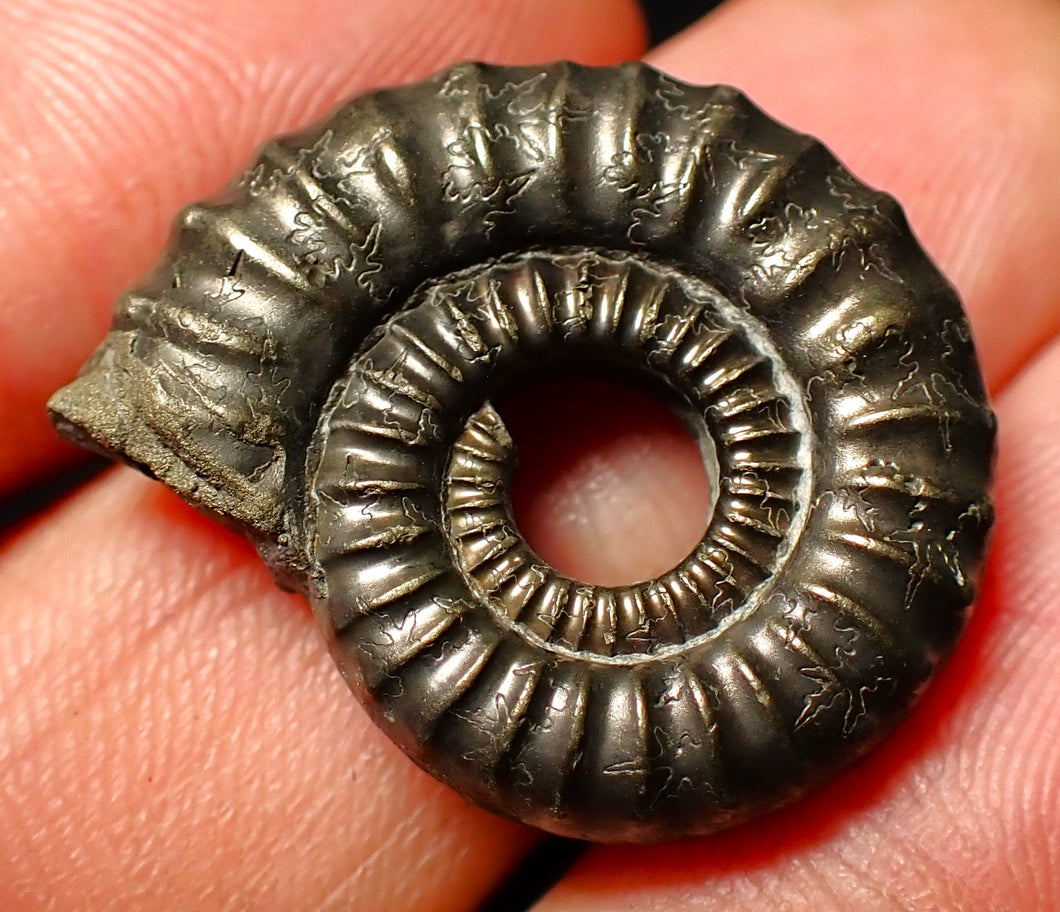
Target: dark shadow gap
[
  {"x": 666, "y": 18},
  {"x": 535, "y": 875},
  {"x": 22, "y": 504}
]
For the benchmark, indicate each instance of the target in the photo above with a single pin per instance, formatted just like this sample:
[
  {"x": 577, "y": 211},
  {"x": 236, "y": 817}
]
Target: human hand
[{"x": 172, "y": 733}]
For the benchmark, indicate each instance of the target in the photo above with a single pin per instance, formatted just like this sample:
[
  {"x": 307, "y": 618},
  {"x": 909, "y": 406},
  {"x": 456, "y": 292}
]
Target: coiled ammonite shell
[{"x": 314, "y": 361}]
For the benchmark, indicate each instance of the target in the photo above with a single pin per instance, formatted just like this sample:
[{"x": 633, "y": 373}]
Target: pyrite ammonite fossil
[{"x": 314, "y": 360}]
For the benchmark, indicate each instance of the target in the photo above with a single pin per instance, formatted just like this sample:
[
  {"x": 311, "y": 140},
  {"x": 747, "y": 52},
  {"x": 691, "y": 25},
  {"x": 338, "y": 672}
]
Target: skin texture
[
  {"x": 172, "y": 733},
  {"x": 596, "y": 430}
]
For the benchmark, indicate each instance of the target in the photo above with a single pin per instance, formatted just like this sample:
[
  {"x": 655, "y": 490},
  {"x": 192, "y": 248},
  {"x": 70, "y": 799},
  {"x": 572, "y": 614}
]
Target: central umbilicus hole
[{"x": 610, "y": 487}]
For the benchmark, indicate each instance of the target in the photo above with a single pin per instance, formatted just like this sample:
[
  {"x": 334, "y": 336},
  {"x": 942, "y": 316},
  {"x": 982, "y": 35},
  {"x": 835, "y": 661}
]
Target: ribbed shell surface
[{"x": 314, "y": 360}]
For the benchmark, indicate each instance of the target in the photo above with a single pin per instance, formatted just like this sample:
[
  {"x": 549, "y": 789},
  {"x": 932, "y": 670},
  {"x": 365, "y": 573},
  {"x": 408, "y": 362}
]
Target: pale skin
[{"x": 172, "y": 732}]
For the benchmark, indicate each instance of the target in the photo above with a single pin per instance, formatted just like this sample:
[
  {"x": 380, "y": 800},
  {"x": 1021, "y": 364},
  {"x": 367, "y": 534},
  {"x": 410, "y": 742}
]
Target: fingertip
[
  {"x": 167, "y": 699},
  {"x": 611, "y": 487}
]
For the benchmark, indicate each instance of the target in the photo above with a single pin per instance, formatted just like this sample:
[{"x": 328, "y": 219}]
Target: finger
[
  {"x": 949, "y": 107},
  {"x": 174, "y": 736},
  {"x": 958, "y": 809},
  {"x": 115, "y": 114},
  {"x": 602, "y": 462}
]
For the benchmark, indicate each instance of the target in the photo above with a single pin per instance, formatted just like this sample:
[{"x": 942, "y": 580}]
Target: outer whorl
[{"x": 314, "y": 361}]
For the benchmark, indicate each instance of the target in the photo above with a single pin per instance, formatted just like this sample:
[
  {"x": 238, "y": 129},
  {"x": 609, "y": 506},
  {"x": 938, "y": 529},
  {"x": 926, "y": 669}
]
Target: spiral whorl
[{"x": 315, "y": 358}]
